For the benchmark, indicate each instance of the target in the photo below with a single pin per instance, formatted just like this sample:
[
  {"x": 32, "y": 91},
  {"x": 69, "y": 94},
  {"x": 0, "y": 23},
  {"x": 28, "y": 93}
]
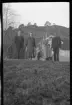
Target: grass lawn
[{"x": 36, "y": 82}]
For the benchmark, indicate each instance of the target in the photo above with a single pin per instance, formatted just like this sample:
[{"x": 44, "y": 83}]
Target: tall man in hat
[
  {"x": 19, "y": 41},
  {"x": 56, "y": 45}
]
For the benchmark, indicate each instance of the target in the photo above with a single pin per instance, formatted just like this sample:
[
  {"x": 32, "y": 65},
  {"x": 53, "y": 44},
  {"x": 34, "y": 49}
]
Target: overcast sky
[{"x": 54, "y": 12}]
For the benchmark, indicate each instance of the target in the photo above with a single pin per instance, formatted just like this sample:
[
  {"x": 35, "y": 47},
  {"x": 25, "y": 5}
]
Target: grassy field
[{"x": 36, "y": 82}]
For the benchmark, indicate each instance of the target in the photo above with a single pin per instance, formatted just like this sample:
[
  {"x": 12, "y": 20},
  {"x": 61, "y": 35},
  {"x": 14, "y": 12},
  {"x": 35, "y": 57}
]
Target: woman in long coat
[
  {"x": 30, "y": 46},
  {"x": 44, "y": 49}
]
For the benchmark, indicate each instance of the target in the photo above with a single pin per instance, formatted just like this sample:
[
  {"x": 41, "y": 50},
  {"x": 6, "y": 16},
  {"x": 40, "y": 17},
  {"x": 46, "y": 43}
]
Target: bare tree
[
  {"x": 54, "y": 24},
  {"x": 8, "y": 16},
  {"x": 21, "y": 26},
  {"x": 29, "y": 24},
  {"x": 47, "y": 23},
  {"x": 35, "y": 24}
]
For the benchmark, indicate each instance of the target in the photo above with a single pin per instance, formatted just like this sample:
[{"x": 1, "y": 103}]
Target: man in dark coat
[
  {"x": 56, "y": 44},
  {"x": 19, "y": 41},
  {"x": 30, "y": 46}
]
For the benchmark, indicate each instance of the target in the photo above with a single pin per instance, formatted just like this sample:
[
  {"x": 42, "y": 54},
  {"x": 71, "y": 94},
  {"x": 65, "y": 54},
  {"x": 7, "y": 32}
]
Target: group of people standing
[
  {"x": 49, "y": 48},
  {"x": 44, "y": 49},
  {"x": 29, "y": 47}
]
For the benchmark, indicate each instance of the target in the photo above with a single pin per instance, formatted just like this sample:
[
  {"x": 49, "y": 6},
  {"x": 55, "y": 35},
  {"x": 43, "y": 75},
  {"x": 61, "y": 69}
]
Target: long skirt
[
  {"x": 48, "y": 52},
  {"x": 30, "y": 53}
]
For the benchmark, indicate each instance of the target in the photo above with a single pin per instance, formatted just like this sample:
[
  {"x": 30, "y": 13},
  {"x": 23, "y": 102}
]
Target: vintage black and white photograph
[
  {"x": 36, "y": 53},
  {"x": 0, "y": 60}
]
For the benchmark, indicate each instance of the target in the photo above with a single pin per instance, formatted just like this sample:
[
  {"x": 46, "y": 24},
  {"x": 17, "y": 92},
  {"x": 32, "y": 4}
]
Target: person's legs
[
  {"x": 38, "y": 56},
  {"x": 30, "y": 55},
  {"x": 33, "y": 53},
  {"x": 19, "y": 53},
  {"x": 57, "y": 53},
  {"x": 54, "y": 54},
  {"x": 50, "y": 54},
  {"x": 23, "y": 53}
]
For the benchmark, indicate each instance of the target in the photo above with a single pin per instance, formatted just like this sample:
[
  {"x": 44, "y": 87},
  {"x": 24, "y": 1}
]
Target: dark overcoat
[
  {"x": 56, "y": 42},
  {"x": 19, "y": 41}
]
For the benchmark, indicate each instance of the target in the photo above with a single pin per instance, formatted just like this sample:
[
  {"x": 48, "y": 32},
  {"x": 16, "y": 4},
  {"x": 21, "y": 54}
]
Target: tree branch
[{"x": 8, "y": 15}]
